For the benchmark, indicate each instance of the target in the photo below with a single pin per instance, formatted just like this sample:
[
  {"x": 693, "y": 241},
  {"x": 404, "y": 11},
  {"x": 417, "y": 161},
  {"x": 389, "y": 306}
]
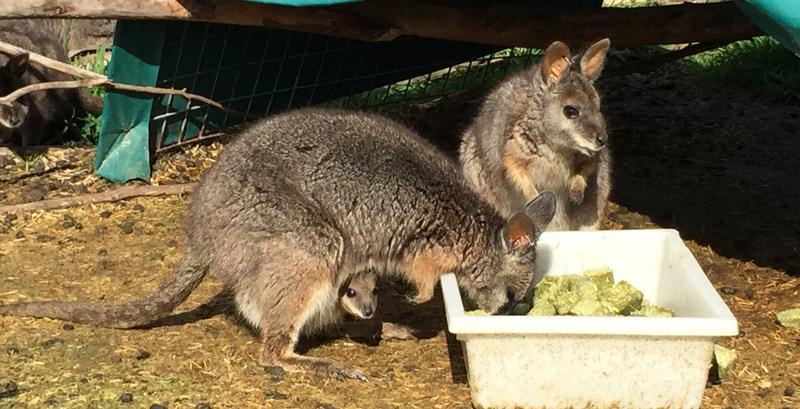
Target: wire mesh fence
[{"x": 258, "y": 71}]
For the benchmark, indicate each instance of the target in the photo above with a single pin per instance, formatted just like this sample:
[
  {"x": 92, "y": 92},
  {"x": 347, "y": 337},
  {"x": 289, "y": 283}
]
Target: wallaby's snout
[
  {"x": 367, "y": 312},
  {"x": 597, "y": 138},
  {"x": 602, "y": 139}
]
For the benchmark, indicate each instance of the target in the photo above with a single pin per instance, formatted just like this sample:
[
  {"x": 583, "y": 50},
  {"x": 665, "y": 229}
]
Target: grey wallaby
[
  {"x": 39, "y": 117},
  {"x": 300, "y": 202},
  {"x": 542, "y": 130}
]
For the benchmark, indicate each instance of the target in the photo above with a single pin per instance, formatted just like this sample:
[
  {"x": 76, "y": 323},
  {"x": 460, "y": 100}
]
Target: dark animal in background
[
  {"x": 542, "y": 130},
  {"x": 302, "y": 201},
  {"x": 41, "y": 117}
]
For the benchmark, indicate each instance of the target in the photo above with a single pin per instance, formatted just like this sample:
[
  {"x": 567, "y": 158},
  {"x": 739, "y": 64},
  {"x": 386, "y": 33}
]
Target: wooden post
[{"x": 381, "y": 20}]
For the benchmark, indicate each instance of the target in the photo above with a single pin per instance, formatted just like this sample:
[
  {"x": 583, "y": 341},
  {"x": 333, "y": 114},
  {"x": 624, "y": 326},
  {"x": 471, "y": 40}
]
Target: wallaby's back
[{"x": 372, "y": 179}]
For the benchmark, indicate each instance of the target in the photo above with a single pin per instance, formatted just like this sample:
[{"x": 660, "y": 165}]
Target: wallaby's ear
[
  {"x": 594, "y": 58},
  {"x": 541, "y": 209},
  {"x": 518, "y": 232},
  {"x": 556, "y": 62},
  {"x": 524, "y": 227},
  {"x": 17, "y": 64}
]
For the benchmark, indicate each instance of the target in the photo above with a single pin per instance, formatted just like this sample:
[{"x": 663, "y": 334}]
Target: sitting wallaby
[
  {"x": 542, "y": 129},
  {"x": 301, "y": 201},
  {"x": 42, "y": 116}
]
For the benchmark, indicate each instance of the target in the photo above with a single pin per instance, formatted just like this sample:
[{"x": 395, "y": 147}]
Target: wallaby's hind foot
[{"x": 293, "y": 362}]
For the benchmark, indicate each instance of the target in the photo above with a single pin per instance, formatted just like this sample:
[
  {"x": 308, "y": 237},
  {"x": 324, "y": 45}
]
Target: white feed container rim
[{"x": 718, "y": 324}]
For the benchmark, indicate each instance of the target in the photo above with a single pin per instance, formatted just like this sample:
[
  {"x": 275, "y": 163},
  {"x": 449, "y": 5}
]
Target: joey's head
[
  {"x": 12, "y": 115},
  {"x": 503, "y": 277},
  {"x": 359, "y": 296},
  {"x": 571, "y": 104}
]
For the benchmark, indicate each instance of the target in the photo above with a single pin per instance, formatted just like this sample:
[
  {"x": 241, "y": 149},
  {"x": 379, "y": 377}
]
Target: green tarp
[
  {"x": 778, "y": 18},
  {"x": 123, "y": 149}
]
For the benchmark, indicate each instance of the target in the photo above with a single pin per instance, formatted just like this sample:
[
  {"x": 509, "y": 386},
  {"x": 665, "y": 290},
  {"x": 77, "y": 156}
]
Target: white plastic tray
[{"x": 598, "y": 362}]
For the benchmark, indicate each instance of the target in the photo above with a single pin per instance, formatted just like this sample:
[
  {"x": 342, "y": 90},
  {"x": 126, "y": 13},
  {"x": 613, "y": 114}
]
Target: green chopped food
[
  {"x": 622, "y": 298},
  {"x": 589, "y": 307},
  {"x": 542, "y": 307},
  {"x": 790, "y": 318},
  {"x": 565, "y": 301},
  {"x": 651, "y": 310},
  {"x": 593, "y": 293},
  {"x": 601, "y": 277},
  {"x": 725, "y": 359}
]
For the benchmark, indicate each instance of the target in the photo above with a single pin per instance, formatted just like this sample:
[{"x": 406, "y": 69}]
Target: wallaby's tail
[{"x": 127, "y": 315}]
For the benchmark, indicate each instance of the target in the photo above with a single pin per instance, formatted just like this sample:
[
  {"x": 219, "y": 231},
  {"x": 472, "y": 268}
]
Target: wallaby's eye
[
  {"x": 375, "y": 290},
  {"x": 351, "y": 292},
  {"x": 571, "y": 112}
]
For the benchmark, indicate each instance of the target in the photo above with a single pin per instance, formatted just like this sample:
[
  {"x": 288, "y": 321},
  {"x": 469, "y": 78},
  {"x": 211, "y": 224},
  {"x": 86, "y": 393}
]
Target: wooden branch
[
  {"x": 115, "y": 195},
  {"x": 42, "y": 86},
  {"x": 380, "y": 20},
  {"x": 91, "y": 79},
  {"x": 180, "y": 92},
  {"x": 10, "y": 49}
]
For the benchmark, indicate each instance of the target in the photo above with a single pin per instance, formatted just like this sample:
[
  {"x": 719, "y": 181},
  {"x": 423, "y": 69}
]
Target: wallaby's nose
[
  {"x": 367, "y": 311},
  {"x": 510, "y": 294},
  {"x": 602, "y": 139}
]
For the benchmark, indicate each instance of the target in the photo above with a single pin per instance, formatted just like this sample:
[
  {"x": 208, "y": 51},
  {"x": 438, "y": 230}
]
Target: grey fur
[
  {"x": 300, "y": 202},
  {"x": 521, "y": 142}
]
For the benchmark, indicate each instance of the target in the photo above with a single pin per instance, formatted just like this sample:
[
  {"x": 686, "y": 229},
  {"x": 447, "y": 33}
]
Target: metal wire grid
[
  {"x": 257, "y": 71},
  {"x": 480, "y": 72}
]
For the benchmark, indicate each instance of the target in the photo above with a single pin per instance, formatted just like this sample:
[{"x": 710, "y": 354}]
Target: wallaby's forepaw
[
  {"x": 577, "y": 187},
  {"x": 390, "y": 331}
]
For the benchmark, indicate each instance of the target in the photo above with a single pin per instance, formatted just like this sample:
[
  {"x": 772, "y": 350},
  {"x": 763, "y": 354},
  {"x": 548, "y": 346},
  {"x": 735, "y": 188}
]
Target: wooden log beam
[{"x": 382, "y": 20}]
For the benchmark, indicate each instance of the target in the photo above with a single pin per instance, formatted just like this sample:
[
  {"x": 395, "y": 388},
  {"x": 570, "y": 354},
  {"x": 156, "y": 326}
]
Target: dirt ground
[{"x": 719, "y": 167}]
